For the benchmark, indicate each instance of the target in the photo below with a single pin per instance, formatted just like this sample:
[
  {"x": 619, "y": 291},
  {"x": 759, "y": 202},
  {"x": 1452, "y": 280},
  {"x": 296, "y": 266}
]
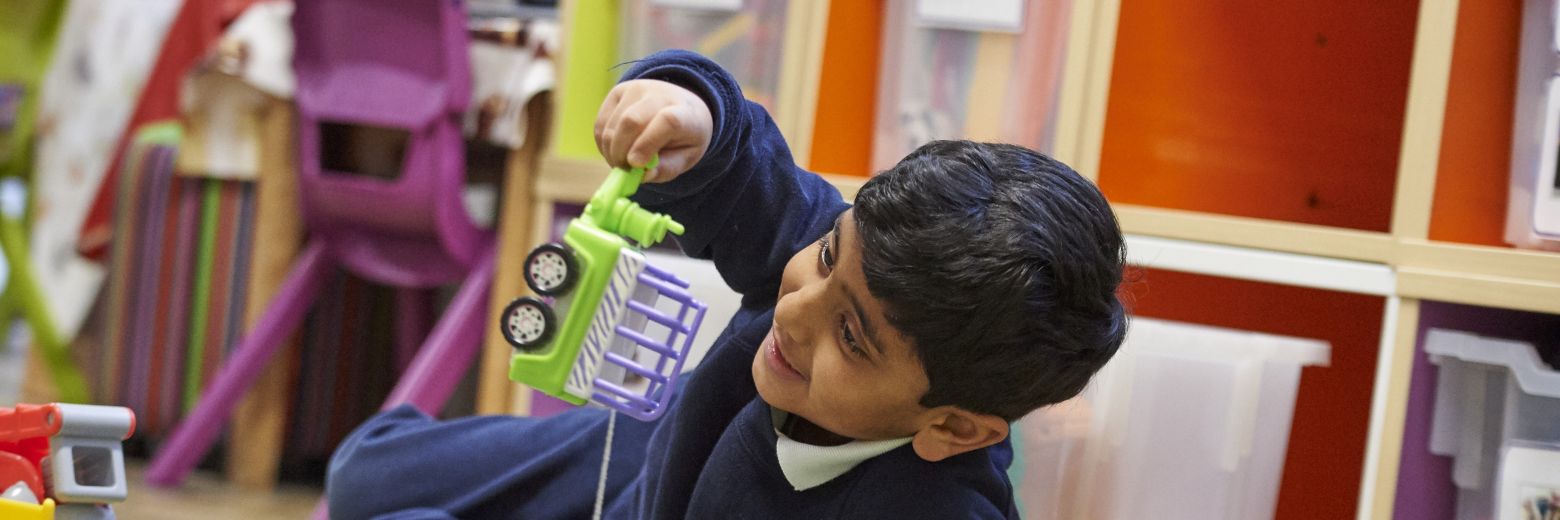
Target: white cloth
[
  {"x": 223, "y": 96},
  {"x": 105, "y": 53},
  {"x": 505, "y": 76}
]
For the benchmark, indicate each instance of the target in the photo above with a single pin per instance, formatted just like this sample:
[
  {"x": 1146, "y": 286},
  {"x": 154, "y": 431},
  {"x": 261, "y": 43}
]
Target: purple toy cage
[{"x": 635, "y": 340}]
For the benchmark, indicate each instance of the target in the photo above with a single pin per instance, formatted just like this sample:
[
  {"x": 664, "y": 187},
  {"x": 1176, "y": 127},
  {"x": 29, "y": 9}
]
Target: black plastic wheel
[
  {"x": 528, "y": 323},
  {"x": 550, "y": 270}
]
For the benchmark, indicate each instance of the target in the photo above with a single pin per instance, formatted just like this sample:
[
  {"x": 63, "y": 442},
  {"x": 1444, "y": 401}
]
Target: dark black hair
[{"x": 1000, "y": 265}]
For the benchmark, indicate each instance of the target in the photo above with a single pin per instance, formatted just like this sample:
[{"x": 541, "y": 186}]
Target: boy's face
[{"x": 831, "y": 356}]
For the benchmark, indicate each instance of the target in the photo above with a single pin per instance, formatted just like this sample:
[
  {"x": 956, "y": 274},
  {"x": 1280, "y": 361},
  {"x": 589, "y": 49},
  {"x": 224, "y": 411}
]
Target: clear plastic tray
[
  {"x": 943, "y": 83},
  {"x": 1186, "y": 422},
  {"x": 746, "y": 41}
]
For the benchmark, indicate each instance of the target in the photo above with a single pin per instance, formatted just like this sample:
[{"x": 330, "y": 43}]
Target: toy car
[
  {"x": 617, "y": 329},
  {"x": 75, "y": 447}
]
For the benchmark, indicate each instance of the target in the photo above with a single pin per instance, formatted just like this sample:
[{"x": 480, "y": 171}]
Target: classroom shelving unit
[
  {"x": 1430, "y": 85},
  {"x": 1322, "y": 169}
]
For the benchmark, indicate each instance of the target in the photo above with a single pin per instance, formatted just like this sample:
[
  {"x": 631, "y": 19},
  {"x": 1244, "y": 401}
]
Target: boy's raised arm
[{"x": 744, "y": 201}]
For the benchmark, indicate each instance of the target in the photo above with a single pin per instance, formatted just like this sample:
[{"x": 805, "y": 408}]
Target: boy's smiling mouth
[{"x": 774, "y": 357}]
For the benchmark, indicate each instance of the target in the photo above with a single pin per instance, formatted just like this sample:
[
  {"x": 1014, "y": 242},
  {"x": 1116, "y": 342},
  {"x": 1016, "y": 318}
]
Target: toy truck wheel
[
  {"x": 528, "y": 323},
  {"x": 550, "y": 270}
]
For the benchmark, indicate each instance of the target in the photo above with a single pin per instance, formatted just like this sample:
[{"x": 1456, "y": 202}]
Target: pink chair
[{"x": 382, "y": 85}]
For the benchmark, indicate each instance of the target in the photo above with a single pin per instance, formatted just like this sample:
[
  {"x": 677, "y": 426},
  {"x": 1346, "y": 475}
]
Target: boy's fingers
[
  {"x": 613, "y": 137},
  {"x": 663, "y": 128},
  {"x": 604, "y": 117},
  {"x": 630, "y": 124},
  {"x": 601, "y": 145},
  {"x": 608, "y": 106}
]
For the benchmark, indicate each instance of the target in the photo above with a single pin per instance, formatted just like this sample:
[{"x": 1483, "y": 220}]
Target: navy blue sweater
[{"x": 749, "y": 208}]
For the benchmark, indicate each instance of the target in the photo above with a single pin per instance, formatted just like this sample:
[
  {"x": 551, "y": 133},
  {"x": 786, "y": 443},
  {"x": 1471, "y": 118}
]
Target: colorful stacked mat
[{"x": 176, "y": 297}]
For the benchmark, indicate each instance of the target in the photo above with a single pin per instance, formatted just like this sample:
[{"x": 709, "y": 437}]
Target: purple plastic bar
[
  {"x": 664, "y": 275},
  {"x": 635, "y": 367},
  {"x": 660, "y": 364},
  {"x": 670, "y": 287},
  {"x": 671, "y": 335},
  {"x": 656, "y": 316},
  {"x": 687, "y": 339},
  {"x": 646, "y": 342},
  {"x": 682, "y": 314},
  {"x": 644, "y": 404},
  {"x": 667, "y": 288},
  {"x": 195, "y": 434}
]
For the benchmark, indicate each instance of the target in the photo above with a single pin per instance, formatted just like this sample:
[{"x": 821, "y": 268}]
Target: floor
[{"x": 206, "y": 496}]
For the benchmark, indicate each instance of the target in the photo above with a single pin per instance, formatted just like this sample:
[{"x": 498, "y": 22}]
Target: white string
[{"x": 606, "y": 456}]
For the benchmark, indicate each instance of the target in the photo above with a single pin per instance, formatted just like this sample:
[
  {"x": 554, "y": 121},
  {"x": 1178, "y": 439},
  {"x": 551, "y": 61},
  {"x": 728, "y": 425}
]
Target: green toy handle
[{"x": 610, "y": 209}]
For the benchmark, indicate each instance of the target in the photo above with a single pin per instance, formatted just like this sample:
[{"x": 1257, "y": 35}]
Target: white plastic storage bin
[
  {"x": 1492, "y": 395},
  {"x": 987, "y": 78},
  {"x": 1533, "y": 211},
  {"x": 1186, "y": 422},
  {"x": 746, "y": 37}
]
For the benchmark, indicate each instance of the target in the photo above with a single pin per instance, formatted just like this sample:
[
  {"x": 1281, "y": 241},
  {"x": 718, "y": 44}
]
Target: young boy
[{"x": 879, "y": 357}]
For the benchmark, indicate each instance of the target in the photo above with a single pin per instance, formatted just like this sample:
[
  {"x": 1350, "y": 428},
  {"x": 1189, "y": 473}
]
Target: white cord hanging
[{"x": 606, "y": 457}]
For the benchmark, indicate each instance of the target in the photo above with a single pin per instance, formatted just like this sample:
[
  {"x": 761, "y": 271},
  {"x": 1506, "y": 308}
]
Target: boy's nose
[{"x": 798, "y": 314}]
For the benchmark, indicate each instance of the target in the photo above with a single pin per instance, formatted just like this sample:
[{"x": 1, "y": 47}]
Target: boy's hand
[{"x": 644, "y": 118}]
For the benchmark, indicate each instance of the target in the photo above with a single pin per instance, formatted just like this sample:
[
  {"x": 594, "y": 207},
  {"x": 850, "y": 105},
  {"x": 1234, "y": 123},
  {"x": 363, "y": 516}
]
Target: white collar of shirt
[{"x": 806, "y": 466}]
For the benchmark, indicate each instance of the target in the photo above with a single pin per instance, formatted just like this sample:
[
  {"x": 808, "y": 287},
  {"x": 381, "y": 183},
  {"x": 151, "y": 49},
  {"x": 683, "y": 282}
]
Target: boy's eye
[
  {"x": 850, "y": 339},
  {"x": 823, "y": 252}
]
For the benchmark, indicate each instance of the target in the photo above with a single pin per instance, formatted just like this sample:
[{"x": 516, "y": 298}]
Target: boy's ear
[{"x": 954, "y": 431}]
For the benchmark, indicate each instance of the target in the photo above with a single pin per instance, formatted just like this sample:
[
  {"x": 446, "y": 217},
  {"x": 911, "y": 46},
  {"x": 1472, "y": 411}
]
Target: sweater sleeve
[{"x": 746, "y": 204}]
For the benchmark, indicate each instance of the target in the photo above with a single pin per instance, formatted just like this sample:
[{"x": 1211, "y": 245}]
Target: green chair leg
[{"x": 22, "y": 291}]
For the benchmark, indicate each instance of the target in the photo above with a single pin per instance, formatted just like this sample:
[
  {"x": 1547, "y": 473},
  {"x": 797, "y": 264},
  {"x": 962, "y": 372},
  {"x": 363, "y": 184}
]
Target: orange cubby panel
[
  {"x": 1332, "y": 409},
  {"x": 1474, "y": 178},
  {"x": 1289, "y": 110},
  {"x": 847, "y": 89}
]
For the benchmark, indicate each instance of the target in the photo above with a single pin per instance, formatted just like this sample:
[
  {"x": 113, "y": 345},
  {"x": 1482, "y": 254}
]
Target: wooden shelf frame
[
  {"x": 1487, "y": 276},
  {"x": 1307, "y": 239}
]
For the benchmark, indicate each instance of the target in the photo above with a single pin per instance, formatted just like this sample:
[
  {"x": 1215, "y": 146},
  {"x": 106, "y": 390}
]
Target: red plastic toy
[{"x": 66, "y": 453}]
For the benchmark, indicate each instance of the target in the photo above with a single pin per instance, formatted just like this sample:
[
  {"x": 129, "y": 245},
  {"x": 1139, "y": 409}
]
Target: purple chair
[{"x": 382, "y": 85}]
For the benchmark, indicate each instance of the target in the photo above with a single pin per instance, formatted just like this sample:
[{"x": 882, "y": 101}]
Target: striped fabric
[
  {"x": 582, "y": 378},
  {"x": 175, "y": 299},
  {"x": 345, "y": 365}
]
